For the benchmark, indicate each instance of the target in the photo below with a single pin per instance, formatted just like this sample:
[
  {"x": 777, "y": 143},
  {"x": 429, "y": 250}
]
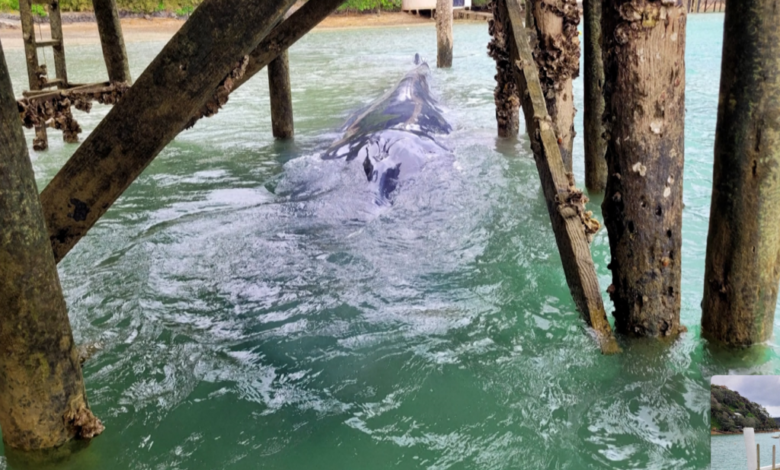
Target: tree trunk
[
  {"x": 281, "y": 96},
  {"x": 505, "y": 95},
  {"x": 112, "y": 41},
  {"x": 204, "y": 55},
  {"x": 743, "y": 245},
  {"x": 595, "y": 144},
  {"x": 557, "y": 54},
  {"x": 444, "y": 33},
  {"x": 43, "y": 403},
  {"x": 644, "y": 43}
]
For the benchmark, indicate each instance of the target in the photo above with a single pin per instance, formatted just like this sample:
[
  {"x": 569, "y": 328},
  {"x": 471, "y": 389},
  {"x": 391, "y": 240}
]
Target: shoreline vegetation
[{"x": 81, "y": 10}]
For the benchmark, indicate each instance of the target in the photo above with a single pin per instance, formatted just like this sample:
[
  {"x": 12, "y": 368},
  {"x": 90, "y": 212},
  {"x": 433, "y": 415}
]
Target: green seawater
[{"x": 256, "y": 310}]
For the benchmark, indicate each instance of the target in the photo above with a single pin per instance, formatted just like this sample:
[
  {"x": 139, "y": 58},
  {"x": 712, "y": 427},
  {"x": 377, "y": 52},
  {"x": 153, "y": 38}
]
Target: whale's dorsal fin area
[{"x": 417, "y": 59}]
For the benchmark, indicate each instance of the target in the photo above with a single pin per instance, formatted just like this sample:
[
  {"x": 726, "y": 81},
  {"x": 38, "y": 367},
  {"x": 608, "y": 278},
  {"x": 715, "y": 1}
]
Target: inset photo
[{"x": 745, "y": 422}]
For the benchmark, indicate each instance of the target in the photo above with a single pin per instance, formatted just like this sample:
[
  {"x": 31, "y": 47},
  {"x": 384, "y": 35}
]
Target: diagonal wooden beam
[
  {"x": 167, "y": 94},
  {"x": 571, "y": 224},
  {"x": 278, "y": 40}
]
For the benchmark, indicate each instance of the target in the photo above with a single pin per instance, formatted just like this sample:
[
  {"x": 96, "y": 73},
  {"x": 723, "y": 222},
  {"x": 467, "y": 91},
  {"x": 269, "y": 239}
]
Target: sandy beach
[{"x": 157, "y": 29}]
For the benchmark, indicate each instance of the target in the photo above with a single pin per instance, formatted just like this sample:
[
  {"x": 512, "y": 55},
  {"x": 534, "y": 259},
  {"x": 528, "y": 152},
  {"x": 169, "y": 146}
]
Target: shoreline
[{"x": 146, "y": 29}]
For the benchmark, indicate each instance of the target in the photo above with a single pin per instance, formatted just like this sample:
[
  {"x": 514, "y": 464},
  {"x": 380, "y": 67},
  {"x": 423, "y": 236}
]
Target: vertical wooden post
[
  {"x": 557, "y": 55},
  {"x": 743, "y": 245},
  {"x": 505, "y": 94},
  {"x": 644, "y": 44},
  {"x": 42, "y": 398},
  {"x": 58, "y": 49},
  {"x": 281, "y": 96},
  {"x": 41, "y": 141},
  {"x": 444, "y": 33},
  {"x": 595, "y": 144},
  {"x": 112, "y": 41}
]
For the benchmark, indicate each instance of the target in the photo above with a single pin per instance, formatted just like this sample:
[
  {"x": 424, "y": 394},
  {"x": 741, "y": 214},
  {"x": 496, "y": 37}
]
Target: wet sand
[{"x": 160, "y": 29}]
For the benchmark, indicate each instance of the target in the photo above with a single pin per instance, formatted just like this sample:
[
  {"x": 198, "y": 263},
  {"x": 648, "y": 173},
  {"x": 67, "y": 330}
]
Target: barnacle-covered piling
[
  {"x": 505, "y": 94},
  {"x": 43, "y": 402},
  {"x": 556, "y": 43},
  {"x": 644, "y": 44}
]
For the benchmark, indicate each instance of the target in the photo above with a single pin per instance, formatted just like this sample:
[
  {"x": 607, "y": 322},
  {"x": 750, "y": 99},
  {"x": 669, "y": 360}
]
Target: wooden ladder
[{"x": 37, "y": 74}]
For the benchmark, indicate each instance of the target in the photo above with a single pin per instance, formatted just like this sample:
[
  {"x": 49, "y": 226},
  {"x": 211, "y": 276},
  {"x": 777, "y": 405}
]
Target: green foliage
[
  {"x": 730, "y": 411},
  {"x": 9, "y": 5},
  {"x": 39, "y": 10},
  {"x": 370, "y": 5},
  {"x": 479, "y": 3}
]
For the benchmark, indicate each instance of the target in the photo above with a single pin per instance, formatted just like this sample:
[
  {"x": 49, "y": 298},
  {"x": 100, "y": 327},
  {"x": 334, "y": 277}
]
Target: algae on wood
[{"x": 743, "y": 245}]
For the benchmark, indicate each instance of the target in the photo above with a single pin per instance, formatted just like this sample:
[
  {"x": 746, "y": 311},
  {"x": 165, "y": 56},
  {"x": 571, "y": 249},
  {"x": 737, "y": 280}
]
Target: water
[
  {"x": 256, "y": 311},
  {"x": 728, "y": 451}
]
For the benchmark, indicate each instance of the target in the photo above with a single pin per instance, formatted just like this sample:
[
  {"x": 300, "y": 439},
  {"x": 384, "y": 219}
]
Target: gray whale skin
[{"x": 394, "y": 136}]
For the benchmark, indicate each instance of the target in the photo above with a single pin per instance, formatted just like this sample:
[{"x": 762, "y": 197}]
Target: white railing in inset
[{"x": 753, "y": 452}]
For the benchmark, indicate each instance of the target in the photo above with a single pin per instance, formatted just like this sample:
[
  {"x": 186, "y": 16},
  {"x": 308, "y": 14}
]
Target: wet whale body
[{"x": 395, "y": 135}]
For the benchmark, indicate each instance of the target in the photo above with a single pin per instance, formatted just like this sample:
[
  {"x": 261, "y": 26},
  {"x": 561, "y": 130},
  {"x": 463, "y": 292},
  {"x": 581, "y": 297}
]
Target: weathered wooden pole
[
  {"x": 743, "y": 245},
  {"x": 444, "y": 33},
  {"x": 43, "y": 403},
  {"x": 505, "y": 94},
  {"x": 571, "y": 223},
  {"x": 162, "y": 101},
  {"x": 112, "y": 40},
  {"x": 644, "y": 44},
  {"x": 595, "y": 143},
  {"x": 281, "y": 96},
  {"x": 557, "y": 55},
  {"x": 41, "y": 141}
]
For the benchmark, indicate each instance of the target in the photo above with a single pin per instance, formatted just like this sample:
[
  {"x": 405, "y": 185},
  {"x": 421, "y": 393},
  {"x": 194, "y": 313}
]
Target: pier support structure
[
  {"x": 43, "y": 402},
  {"x": 281, "y": 96},
  {"x": 595, "y": 144},
  {"x": 444, "y": 33},
  {"x": 572, "y": 224},
  {"x": 112, "y": 41},
  {"x": 644, "y": 44},
  {"x": 505, "y": 94},
  {"x": 743, "y": 245},
  {"x": 555, "y": 39},
  {"x": 201, "y": 61}
]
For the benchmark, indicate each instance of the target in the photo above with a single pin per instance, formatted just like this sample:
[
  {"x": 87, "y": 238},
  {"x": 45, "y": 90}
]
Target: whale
[{"x": 394, "y": 136}]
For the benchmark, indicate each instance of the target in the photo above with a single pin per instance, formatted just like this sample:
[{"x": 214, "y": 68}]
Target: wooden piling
[
  {"x": 644, "y": 44},
  {"x": 43, "y": 403},
  {"x": 281, "y": 96},
  {"x": 41, "y": 140},
  {"x": 743, "y": 245},
  {"x": 178, "y": 82},
  {"x": 112, "y": 41},
  {"x": 556, "y": 43},
  {"x": 595, "y": 143},
  {"x": 571, "y": 223},
  {"x": 444, "y": 33},
  {"x": 505, "y": 94}
]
